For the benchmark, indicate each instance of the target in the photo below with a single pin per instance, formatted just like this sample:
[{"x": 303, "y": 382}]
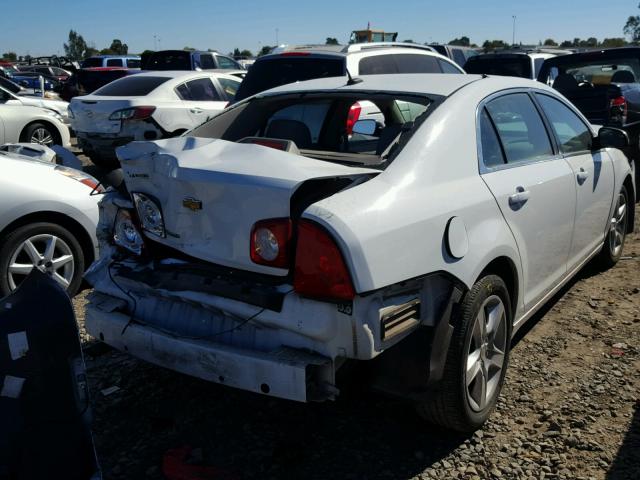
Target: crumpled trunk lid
[{"x": 213, "y": 191}]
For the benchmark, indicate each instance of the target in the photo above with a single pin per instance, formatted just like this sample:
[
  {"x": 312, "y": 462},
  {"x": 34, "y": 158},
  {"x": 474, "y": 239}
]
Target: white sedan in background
[
  {"x": 261, "y": 255},
  {"x": 147, "y": 106},
  {"x": 48, "y": 221},
  {"x": 56, "y": 105},
  {"x": 24, "y": 123}
]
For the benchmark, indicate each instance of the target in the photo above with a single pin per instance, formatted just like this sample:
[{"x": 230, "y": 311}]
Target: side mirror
[
  {"x": 365, "y": 127},
  {"x": 609, "y": 137}
]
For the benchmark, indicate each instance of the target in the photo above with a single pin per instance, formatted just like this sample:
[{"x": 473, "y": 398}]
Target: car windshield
[
  {"x": 134, "y": 86},
  {"x": 350, "y": 128},
  {"x": 276, "y": 71},
  {"x": 508, "y": 66},
  {"x": 600, "y": 72}
]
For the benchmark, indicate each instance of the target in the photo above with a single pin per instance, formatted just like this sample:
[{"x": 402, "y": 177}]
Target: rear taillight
[
  {"x": 134, "y": 113},
  {"x": 353, "y": 116},
  {"x": 270, "y": 242},
  {"x": 320, "y": 270},
  {"x": 618, "y": 110}
]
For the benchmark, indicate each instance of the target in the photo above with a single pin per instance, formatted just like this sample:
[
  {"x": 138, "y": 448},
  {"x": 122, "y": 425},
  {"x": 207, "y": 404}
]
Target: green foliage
[
  {"x": 462, "y": 41},
  {"x": 119, "y": 48},
  {"x": 76, "y": 48},
  {"x": 265, "y": 50},
  {"x": 489, "y": 45},
  {"x": 331, "y": 41},
  {"x": 9, "y": 56},
  {"x": 632, "y": 28},
  {"x": 613, "y": 42},
  {"x": 189, "y": 49},
  {"x": 550, "y": 42}
]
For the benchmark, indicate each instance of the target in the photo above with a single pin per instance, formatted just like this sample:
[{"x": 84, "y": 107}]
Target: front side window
[
  {"x": 227, "y": 63},
  {"x": 206, "y": 62},
  {"x": 134, "y": 62},
  {"x": 458, "y": 56},
  {"x": 447, "y": 67},
  {"x": 573, "y": 135},
  {"x": 229, "y": 86},
  {"x": 520, "y": 128}
]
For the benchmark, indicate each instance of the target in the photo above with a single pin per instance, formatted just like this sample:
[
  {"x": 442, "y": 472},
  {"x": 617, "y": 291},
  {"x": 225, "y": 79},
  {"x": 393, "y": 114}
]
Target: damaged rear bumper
[{"x": 287, "y": 373}]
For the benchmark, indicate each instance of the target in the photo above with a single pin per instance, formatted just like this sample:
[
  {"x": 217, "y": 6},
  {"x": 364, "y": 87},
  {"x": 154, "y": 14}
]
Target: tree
[
  {"x": 246, "y": 53},
  {"x": 331, "y": 41},
  {"x": 462, "y": 41},
  {"x": 489, "y": 45},
  {"x": 236, "y": 52},
  {"x": 408, "y": 41},
  {"x": 265, "y": 50},
  {"x": 550, "y": 42},
  {"x": 10, "y": 56},
  {"x": 189, "y": 49},
  {"x": 613, "y": 42},
  {"x": 119, "y": 48},
  {"x": 566, "y": 44},
  {"x": 591, "y": 42},
  {"x": 632, "y": 28},
  {"x": 76, "y": 49}
]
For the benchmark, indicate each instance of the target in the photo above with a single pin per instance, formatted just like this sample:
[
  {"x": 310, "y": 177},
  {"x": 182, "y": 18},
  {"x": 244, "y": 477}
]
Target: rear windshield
[
  {"x": 133, "y": 63},
  {"x": 134, "y": 86},
  {"x": 169, "y": 61},
  {"x": 91, "y": 62},
  {"x": 274, "y": 72},
  {"x": 519, "y": 66},
  {"x": 398, "y": 63},
  {"x": 353, "y": 128},
  {"x": 597, "y": 72}
]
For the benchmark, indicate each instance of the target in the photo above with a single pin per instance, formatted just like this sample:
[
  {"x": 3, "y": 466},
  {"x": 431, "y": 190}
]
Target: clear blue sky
[{"x": 41, "y": 27}]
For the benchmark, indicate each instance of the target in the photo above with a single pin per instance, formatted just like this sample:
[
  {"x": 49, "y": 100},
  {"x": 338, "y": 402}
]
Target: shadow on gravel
[
  {"x": 357, "y": 437},
  {"x": 588, "y": 271},
  {"x": 626, "y": 465}
]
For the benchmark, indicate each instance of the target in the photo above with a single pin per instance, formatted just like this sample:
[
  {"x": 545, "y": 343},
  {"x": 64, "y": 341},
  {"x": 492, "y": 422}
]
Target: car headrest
[
  {"x": 293, "y": 130},
  {"x": 565, "y": 83},
  {"x": 623, "y": 76}
]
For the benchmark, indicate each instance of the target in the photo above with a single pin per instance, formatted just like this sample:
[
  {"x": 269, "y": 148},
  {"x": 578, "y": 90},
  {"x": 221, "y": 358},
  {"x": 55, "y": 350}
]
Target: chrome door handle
[
  {"x": 519, "y": 198},
  {"x": 582, "y": 176},
  {"x": 196, "y": 110}
]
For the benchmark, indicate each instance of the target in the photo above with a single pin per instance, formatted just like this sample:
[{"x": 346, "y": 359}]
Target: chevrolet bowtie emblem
[{"x": 192, "y": 204}]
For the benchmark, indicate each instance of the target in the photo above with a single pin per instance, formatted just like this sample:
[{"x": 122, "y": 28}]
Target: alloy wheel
[
  {"x": 486, "y": 355},
  {"x": 42, "y": 136},
  {"x": 48, "y": 253},
  {"x": 618, "y": 225}
]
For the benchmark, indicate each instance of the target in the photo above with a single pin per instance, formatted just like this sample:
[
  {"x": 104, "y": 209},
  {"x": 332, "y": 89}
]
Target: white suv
[{"x": 305, "y": 62}]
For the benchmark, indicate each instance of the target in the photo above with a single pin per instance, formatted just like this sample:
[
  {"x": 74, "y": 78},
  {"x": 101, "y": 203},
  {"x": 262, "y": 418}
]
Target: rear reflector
[
  {"x": 270, "y": 241},
  {"x": 618, "y": 110},
  {"x": 320, "y": 270}
]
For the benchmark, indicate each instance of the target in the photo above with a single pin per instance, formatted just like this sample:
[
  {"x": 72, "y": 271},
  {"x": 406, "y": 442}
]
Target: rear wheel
[
  {"x": 477, "y": 359},
  {"x": 614, "y": 240},
  {"x": 45, "y": 246}
]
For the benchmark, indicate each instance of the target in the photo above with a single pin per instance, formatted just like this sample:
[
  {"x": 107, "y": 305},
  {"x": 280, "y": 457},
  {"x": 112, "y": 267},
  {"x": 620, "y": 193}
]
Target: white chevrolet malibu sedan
[{"x": 267, "y": 249}]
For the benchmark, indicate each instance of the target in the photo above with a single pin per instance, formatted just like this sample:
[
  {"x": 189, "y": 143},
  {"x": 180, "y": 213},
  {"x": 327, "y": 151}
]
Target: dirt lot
[{"x": 570, "y": 409}]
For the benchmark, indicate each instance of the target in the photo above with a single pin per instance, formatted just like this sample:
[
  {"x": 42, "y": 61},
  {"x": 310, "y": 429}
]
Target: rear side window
[
  {"x": 91, "y": 62},
  {"x": 492, "y": 155},
  {"x": 572, "y": 133},
  {"x": 398, "y": 63},
  {"x": 230, "y": 87},
  {"x": 520, "y": 128},
  {"x": 198, "y": 90},
  {"x": 114, "y": 62},
  {"x": 133, "y": 86},
  {"x": 276, "y": 71},
  {"x": 518, "y": 66},
  {"x": 458, "y": 57},
  {"x": 133, "y": 63},
  {"x": 447, "y": 67},
  {"x": 206, "y": 62}
]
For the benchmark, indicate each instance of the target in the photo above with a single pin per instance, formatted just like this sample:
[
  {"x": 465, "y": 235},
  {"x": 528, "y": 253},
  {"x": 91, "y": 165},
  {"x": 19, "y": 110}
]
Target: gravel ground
[{"x": 570, "y": 408}]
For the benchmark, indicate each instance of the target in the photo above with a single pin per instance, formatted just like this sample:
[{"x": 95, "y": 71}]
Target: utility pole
[{"x": 513, "y": 38}]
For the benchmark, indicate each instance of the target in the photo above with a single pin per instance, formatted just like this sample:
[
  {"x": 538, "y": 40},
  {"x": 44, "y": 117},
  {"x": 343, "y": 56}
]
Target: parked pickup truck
[{"x": 604, "y": 86}]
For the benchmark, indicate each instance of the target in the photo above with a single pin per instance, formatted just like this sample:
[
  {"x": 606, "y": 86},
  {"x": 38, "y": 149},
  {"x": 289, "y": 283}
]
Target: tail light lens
[
  {"x": 320, "y": 270},
  {"x": 135, "y": 113},
  {"x": 353, "y": 116},
  {"x": 618, "y": 110},
  {"x": 270, "y": 242}
]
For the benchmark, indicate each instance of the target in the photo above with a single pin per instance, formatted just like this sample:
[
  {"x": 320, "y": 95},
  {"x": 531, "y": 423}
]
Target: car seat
[
  {"x": 565, "y": 83},
  {"x": 293, "y": 130},
  {"x": 623, "y": 76}
]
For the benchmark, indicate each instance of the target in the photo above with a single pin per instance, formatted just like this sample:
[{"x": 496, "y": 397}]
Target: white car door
[
  {"x": 593, "y": 176},
  {"x": 2, "y": 136},
  {"x": 201, "y": 99},
  {"x": 533, "y": 186}
]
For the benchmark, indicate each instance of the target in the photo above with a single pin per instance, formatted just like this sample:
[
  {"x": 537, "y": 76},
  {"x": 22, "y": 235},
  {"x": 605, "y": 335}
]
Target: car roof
[
  {"x": 115, "y": 56},
  {"x": 597, "y": 54},
  {"x": 344, "y": 50},
  {"x": 440, "y": 84},
  {"x": 181, "y": 73}
]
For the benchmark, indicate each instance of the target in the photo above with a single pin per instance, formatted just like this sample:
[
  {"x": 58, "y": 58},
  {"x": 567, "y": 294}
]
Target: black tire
[
  {"x": 12, "y": 241},
  {"x": 32, "y": 130},
  {"x": 611, "y": 252},
  {"x": 449, "y": 405}
]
